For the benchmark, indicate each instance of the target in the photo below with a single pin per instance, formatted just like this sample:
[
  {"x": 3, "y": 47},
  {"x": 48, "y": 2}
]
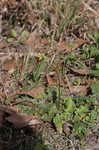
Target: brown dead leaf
[
  {"x": 44, "y": 41},
  {"x": 32, "y": 18},
  {"x": 63, "y": 46},
  {"x": 79, "y": 43},
  {"x": 70, "y": 46},
  {"x": 30, "y": 68},
  {"x": 3, "y": 44},
  {"x": 84, "y": 71},
  {"x": 7, "y": 109},
  {"x": 22, "y": 120},
  {"x": 2, "y": 95},
  {"x": 33, "y": 92},
  {"x": 3, "y": 109},
  {"x": 3, "y": 57},
  {"x": 81, "y": 89},
  {"x": 33, "y": 40},
  {"x": 50, "y": 80},
  {"x": 66, "y": 128},
  {"x": 17, "y": 119},
  {"x": 9, "y": 65}
]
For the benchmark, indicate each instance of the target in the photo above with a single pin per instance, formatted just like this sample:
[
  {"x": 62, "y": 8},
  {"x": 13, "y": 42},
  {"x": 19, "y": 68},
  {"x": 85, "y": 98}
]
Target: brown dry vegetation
[{"x": 49, "y": 74}]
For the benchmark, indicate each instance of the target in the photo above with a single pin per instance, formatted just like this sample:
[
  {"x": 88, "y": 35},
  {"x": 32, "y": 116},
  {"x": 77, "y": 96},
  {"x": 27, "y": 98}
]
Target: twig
[
  {"x": 91, "y": 9},
  {"x": 51, "y": 62},
  {"x": 68, "y": 84}
]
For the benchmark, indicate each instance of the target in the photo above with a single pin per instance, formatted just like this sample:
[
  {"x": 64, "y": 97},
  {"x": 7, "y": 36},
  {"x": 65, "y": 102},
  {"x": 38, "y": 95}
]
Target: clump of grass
[{"x": 52, "y": 17}]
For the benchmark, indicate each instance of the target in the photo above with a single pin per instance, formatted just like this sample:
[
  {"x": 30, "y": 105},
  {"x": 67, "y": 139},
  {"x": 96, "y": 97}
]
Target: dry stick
[
  {"x": 0, "y": 27},
  {"x": 24, "y": 102},
  {"x": 59, "y": 90},
  {"x": 73, "y": 148},
  {"x": 91, "y": 9},
  {"x": 52, "y": 60},
  {"x": 68, "y": 84}
]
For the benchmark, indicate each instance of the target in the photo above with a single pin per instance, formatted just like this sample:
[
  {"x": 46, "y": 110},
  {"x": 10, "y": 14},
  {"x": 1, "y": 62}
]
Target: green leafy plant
[
  {"x": 58, "y": 122},
  {"x": 95, "y": 37},
  {"x": 38, "y": 69},
  {"x": 95, "y": 88}
]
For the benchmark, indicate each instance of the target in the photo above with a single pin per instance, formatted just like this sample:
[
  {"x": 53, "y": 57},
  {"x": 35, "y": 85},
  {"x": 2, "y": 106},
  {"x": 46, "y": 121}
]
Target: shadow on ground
[
  {"x": 24, "y": 137},
  {"x": 20, "y": 139}
]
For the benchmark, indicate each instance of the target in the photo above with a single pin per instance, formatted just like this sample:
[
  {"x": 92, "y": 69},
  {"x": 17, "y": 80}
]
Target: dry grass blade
[
  {"x": 89, "y": 8},
  {"x": 33, "y": 92},
  {"x": 84, "y": 71},
  {"x": 93, "y": 147}
]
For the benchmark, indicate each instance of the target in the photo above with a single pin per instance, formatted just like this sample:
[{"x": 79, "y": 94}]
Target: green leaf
[
  {"x": 10, "y": 40},
  {"x": 38, "y": 69},
  {"x": 94, "y": 52},
  {"x": 79, "y": 129},
  {"x": 81, "y": 112},
  {"x": 95, "y": 72},
  {"x": 58, "y": 122},
  {"x": 13, "y": 33},
  {"x": 48, "y": 111},
  {"x": 24, "y": 35},
  {"x": 96, "y": 37},
  {"x": 95, "y": 88},
  {"x": 69, "y": 104},
  {"x": 47, "y": 107},
  {"x": 97, "y": 65}
]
